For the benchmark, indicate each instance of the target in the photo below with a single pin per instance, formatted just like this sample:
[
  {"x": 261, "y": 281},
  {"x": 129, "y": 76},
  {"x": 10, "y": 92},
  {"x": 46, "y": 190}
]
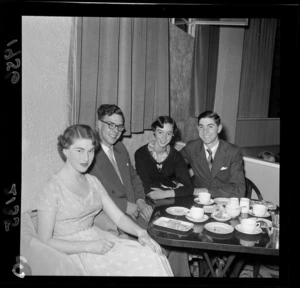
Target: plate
[
  {"x": 177, "y": 211},
  {"x": 221, "y": 200},
  {"x": 211, "y": 201},
  {"x": 255, "y": 232},
  {"x": 220, "y": 216},
  {"x": 266, "y": 215},
  {"x": 219, "y": 228},
  {"x": 174, "y": 224},
  {"x": 205, "y": 217},
  {"x": 209, "y": 208}
]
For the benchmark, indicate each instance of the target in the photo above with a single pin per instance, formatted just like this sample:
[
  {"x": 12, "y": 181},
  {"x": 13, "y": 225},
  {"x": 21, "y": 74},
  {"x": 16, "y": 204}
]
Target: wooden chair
[{"x": 250, "y": 186}]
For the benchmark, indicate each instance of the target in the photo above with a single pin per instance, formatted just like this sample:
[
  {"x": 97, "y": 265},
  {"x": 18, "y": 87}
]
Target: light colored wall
[
  {"x": 265, "y": 175},
  {"x": 45, "y": 112}
]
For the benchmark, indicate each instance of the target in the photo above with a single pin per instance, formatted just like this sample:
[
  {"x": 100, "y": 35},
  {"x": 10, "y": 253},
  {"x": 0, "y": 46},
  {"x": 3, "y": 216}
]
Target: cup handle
[{"x": 257, "y": 225}]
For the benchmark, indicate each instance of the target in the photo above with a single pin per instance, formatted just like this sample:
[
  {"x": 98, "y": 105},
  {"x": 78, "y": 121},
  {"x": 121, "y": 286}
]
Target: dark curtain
[{"x": 204, "y": 74}]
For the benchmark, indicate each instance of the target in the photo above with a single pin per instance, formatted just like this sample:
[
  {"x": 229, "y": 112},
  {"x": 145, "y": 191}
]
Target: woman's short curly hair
[{"x": 73, "y": 132}]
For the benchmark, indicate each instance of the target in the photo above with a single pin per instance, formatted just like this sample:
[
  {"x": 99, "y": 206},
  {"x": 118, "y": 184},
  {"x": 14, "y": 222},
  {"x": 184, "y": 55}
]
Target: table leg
[
  {"x": 209, "y": 264},
  {"x": 256, "y": 267},
  {"x": 237, "y": 268}
]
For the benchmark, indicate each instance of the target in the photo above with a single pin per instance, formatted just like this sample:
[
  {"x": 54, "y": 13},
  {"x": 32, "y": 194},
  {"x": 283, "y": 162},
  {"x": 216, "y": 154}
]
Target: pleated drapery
[
  {"x": 204, "y": 73},
  {"x": 123, "y": 61},
  {"x": 256, "y": 75}
]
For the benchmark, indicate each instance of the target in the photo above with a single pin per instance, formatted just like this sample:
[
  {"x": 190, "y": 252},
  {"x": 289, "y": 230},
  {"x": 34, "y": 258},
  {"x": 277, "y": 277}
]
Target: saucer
[
  {"x": 211, "y": 201},
  {"x": 177, "y": 211},
  {"x": 266, "y": 215},
  {"x": 205, "y": 217},
  {"x": 220, "y": 216},
  {"x": 255, "y": 232}
]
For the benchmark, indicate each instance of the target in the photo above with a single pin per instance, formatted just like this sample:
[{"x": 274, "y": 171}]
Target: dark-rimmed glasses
[{"x": 112, "y": 126}]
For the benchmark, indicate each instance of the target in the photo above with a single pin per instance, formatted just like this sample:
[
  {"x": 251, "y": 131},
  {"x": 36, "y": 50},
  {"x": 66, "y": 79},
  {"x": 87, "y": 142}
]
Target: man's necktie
[
  {"x": 113, "y": 162},
  {"x": 209, "y": 159}
]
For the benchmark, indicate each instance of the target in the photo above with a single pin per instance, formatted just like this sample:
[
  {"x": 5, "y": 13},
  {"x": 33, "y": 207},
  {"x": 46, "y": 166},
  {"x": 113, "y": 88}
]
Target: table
[{"x": 199, "y": 238}]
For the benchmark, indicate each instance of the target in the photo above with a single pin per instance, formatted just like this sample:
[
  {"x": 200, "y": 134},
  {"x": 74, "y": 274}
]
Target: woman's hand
[
  {"x": 100, "y": 246},
  {"x": 145, "y": 239},
  {"x": 157, "y": 193}
]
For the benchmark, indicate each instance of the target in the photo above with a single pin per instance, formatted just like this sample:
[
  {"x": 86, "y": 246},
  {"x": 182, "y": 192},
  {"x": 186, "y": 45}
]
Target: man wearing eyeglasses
[{"x": 112, "y": 166}]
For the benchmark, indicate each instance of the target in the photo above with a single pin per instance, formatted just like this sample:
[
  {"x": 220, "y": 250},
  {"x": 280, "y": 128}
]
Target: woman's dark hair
[
  {"x": 210, "y": 114},
  {"x": 161, "y": 120},
  {"x": 72, "y": 133}
]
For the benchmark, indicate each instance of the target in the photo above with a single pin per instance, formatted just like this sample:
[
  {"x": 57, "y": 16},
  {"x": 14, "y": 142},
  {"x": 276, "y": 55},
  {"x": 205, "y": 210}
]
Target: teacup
[
  {"x": 204, "y": 197},
  {"x": 196, "y": 213},
  {"x": 233, "y": 202},
  {"x": 233, "y": 211},
  {"x": 249, "y": 225},
  {"x": 259, "y": 209}
]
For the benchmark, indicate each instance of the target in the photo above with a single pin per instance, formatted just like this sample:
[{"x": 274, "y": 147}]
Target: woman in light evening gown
[{"x": 66, "y": 209}]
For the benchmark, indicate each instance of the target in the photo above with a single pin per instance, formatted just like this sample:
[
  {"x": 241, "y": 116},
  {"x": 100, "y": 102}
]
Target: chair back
[{"x": 250, "y": 186}]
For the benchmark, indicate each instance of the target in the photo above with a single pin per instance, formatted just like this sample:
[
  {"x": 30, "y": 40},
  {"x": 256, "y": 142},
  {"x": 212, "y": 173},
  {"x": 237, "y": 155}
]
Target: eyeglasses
[{"x": 112, "y": 126}]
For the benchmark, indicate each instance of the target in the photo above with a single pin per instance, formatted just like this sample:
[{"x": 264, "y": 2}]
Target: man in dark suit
[
  {"x": 112, "y": 166},
  {"x": 217, "y": 165}
]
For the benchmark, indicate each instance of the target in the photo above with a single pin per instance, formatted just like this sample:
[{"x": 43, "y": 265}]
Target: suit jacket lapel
[
  {"x": 123, "y": 164},
  {"x": 201, "y": 155},
  {"x": 218, "y": 160},
  {"x": 109, "y": 170}
]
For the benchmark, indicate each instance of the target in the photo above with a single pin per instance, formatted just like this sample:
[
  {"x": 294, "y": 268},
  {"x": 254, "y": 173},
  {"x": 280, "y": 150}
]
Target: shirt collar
[
  {"x": 105, "y": 148},
  {"x": 213, "y": 149}
]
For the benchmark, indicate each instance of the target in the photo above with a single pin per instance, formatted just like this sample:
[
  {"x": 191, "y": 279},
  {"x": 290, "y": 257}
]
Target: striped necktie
[
  {"x": 113, "y": 162},
  {"x": 209, "y": 159}
]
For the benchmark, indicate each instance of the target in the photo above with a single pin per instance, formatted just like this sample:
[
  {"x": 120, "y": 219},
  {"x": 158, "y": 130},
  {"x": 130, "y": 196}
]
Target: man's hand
[
  {"x": 132, "y": 210},
  {"x": 145, "y": 209}
]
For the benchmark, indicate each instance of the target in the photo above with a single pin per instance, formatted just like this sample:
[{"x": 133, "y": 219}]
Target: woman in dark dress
[
  {"x": 161, "y": 167},
  {"x": 164, "y": 175}
]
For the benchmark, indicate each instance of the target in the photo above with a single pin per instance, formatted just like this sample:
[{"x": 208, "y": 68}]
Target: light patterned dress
[{"x": 74, "y": 221}]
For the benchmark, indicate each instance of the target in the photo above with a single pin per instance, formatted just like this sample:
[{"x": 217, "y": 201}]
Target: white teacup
[
  {"x": 204, "y": 197},
  {"x": 233, "y": 202},
  {"x": 259, "y": 209},
  {"x": 196, "y": 213},
  {"x": 249, "y": 225}
]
